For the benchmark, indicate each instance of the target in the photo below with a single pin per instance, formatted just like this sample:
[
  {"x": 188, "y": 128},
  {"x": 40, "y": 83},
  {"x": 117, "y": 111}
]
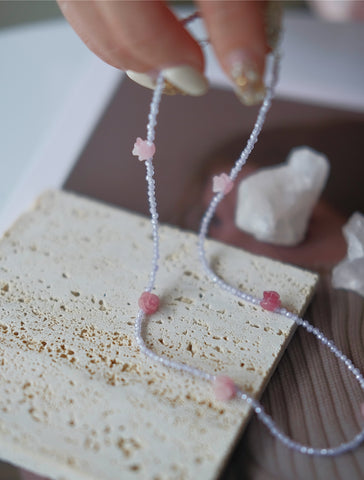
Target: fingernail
[
  {"x": 149, "y": 80},
  {"x": 186, "y": 79},
  {"x": 249, "y": 84},
  {"x": 273, "y": 22},
  {"x": 183, "y": 80},
  {"x": 143, "y": 79}
]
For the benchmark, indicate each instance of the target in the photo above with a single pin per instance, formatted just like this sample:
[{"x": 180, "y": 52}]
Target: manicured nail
[
  {"x": 186, "y": 79},
  {"x": 249, "y": 84},
  {"x": 149, "y": 80},
  {"x": 143, "y": 79},
  {"x": 273, "y": 22},
  {"x": 183, "y": 79}
]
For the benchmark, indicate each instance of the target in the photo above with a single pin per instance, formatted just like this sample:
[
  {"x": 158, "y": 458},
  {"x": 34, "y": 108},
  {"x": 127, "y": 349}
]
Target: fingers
[
  {"x": 238, "y": 34},
  {"x": 142, "y": 36},
  {"x": 90, "y": 26},
  {"x": 150, "y": 31}
]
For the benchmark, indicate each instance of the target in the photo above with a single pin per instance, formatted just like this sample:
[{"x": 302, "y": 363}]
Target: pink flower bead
[
  {"x": 222, "y": 183},
  {"x": 271, "y": 301},
  {"x": 224, "y": 388},
  {"x": 143, "y": 149},
  {"x": 148, "y": 302}
]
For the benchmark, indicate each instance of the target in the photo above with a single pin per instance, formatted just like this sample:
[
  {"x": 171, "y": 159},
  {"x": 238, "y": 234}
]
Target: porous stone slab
[{"x": 77, "y": 399}]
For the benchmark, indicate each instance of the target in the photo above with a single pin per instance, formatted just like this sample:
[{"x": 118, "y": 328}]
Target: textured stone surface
[
  {"x": 275, "y": 204},
  {"x": 77, "y": 400},
  {"x": 349, "y": 274}
]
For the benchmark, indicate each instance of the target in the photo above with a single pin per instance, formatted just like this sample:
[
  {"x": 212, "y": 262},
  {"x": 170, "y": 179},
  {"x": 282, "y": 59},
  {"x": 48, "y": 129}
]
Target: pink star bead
[
  {"x": 222, "y": 183},
  {"x": 143, "y": 149},
  {"x": 224, "y": 388},
  {"x": 148, "y": 302},
  {"x": 271, "y": 301}
]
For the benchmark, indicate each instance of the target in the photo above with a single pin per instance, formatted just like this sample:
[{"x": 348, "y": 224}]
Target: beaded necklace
[{"x": 223, "y": 386}]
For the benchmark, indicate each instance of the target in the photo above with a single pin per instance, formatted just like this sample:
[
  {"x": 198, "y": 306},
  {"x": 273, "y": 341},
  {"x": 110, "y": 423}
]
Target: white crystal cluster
[
  {"x": 349, "y": 274},
  {"x": 275, "y": 204}
]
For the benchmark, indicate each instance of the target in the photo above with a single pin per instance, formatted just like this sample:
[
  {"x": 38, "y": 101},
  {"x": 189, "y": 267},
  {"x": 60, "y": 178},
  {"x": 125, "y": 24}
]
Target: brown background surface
[{"x": 191, "y": 130}]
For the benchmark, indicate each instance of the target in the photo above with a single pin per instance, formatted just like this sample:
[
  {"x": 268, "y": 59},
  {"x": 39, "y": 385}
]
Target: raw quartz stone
[
  {"x": 275, "y": 204},
  {"x": 349, "y": 274}
]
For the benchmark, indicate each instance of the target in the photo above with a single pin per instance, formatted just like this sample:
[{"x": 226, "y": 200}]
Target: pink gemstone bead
[
  {"x": 222, "y": 183},
  {"x": 271, "y": 301},
  {"x": 224, "y": 388},
  {"x": 143, "y": 149},
  {"x": 148, "y": 302}
]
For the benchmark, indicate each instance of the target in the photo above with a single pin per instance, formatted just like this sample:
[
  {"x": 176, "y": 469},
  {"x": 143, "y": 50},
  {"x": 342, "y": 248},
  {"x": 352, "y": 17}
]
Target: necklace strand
[{"x": 196, "y": 372}]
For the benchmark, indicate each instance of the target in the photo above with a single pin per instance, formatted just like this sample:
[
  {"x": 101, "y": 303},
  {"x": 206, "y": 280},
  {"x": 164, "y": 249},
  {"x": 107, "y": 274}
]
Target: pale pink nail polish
[{"x": 249, "y": 84}]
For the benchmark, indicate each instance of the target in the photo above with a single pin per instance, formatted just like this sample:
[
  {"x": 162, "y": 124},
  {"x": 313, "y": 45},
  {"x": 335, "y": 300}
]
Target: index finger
[
  {"x": 142, "y": 36},
  {"x": 238, "y": 34}
]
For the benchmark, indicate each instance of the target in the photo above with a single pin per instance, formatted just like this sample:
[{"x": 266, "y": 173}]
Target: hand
[{"x": 144, "y": 37}]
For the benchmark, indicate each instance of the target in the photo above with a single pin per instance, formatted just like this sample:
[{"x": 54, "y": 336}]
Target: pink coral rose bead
[
  {"x": 148, "y": 302},
  {"x": 143, "y": 149},
  {"x": 224, "y": 388},
  {"x": 222, "y": 183}
]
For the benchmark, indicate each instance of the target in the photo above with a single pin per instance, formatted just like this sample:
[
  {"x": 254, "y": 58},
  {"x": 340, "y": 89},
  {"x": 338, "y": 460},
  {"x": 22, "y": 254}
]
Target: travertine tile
[{"x": 77, "y": 400}]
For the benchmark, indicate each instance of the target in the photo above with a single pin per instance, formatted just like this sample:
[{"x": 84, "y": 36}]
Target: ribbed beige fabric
[{"x": 312, "y": 397}]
